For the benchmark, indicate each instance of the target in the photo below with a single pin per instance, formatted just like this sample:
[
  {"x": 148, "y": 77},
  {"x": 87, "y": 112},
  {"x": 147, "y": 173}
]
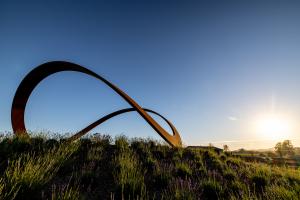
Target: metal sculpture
[{"x": 32, "y": 79}]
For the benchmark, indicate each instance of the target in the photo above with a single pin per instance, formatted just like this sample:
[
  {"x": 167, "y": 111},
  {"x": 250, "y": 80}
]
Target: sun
[{"x": 273, "y": 127}]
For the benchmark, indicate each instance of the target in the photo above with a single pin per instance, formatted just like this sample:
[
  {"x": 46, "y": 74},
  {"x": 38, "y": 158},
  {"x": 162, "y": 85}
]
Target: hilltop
[{"x": 100, "y": 168}]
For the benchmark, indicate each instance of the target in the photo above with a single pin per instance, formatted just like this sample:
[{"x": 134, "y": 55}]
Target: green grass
[{"x": 102, "y": 168}]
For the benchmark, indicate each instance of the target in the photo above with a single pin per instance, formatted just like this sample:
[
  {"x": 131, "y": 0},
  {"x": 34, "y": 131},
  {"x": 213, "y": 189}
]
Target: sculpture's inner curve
[{"x": 41, "y": 72}]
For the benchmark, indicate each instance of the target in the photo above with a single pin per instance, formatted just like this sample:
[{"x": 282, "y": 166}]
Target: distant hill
[
  {"x": 255, "y": 150},
  {"x": 98, "y": 168}
]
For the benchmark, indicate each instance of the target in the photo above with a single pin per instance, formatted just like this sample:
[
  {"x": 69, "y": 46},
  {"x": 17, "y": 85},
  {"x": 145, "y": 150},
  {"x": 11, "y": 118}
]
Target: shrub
[
  {"x": 223, "y": 157},
  {"x": 37, "y": 143},
  {"x": 65, "y": 192},
  {"x": 229, "y": 175},
  {"x": 183, "y": 170},
  {"x": 150, "y": 164},
  {"x": 121, "y": 143},
  {"x": 212, "y": 161},
  {"x": 279, "y": 192},
  {"x": 51, "y": 143},
  {"x": 20, "y": 144},
  {"x": 200, "y": 172},
  {"x": 159, "y": 154},
  {"x": 292, "y": 176},
  {"x": 259, "y": 182},
  {"x": 180, "y": 189},
  {"x": 104, "y": 140},
  {"x": 178, "y": 153},
  {"x": 237, "y": 190},
  {"x": 8, "y": 192},
  {"x": 190, "y": 154},
  {"x": 211, "y": 189},
  {"x": 162, "y": 180},
  {"x": 95, "y": 153}
]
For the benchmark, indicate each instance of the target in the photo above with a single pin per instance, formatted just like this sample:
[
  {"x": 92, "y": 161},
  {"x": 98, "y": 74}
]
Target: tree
[
  {"x": 226, "y": 147},
  {"x": 288, "y": 147},
  {"x": 242, "y": 150},
  {"x": 278, "y": 149},
  {"x": 284, "y": 148}
]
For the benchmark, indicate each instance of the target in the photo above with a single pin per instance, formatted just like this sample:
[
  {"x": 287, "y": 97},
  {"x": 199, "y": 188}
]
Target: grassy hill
[{"x": 98, "y": 168}]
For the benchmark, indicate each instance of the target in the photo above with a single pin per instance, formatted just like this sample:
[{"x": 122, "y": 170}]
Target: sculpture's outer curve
[{"x": 41, "y": 72}]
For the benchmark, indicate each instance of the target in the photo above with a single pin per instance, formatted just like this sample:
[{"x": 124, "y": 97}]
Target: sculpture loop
[{"x": 32, "y": 79}]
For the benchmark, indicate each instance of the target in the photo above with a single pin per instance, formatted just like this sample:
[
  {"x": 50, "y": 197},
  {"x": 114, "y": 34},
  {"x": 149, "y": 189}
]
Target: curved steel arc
[
  {"x": 111, "y": 115},
  {"x": 41, "y": 72}
]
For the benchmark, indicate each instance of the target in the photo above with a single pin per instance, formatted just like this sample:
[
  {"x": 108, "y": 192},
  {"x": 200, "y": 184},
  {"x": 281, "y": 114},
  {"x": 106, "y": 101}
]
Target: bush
[
  {"x": 180, "y": 189},
  {"x": 237, "y": 190},
  {"x": 279, "y": 192},
  {"x": 162, "y": 180},
  {"x": 103, "y": 140},
  {"x": 20, "y": 144},
  {"x": 212, "y": 161},
  {"x": 259, "y": 181},
  {"x": 37, "y": 143},
  {"x": 65, "y": 192},
  {"x": 229, "y": 176},
  {"x": 51, "y": 143},
  {"x": 211, "y": 190},
  {"x": 121, "y": 143},
  {"x": 183, "y": 170}
]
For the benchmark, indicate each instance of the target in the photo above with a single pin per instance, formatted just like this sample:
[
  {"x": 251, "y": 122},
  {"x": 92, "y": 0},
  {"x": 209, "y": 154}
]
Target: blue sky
[{"x": 210, "y": 67}]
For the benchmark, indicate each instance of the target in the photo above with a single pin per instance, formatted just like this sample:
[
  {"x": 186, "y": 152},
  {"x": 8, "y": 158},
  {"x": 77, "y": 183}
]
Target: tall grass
[
  {"x": 128, "y": 173},
  {"x": 30, "y": 172},
  {"x": 100, "y": 168},
  {"x": 65, "y": 192}
]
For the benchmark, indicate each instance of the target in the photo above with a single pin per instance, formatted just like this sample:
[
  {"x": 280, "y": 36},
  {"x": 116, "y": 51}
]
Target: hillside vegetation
[{"x": 99, "y": 168}]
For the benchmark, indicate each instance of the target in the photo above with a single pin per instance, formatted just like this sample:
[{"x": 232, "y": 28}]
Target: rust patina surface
[{"x": 34, "y": 77}]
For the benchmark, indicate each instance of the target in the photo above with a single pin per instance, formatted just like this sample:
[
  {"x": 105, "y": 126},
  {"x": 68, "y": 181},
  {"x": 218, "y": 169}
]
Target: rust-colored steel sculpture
[{"x": 41, "y": 72}]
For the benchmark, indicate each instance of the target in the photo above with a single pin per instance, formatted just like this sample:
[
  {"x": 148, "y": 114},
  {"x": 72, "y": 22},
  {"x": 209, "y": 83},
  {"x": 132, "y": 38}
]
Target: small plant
[
  {"x": 8, "y": 192},
  {"x": 183, "y": 170},
  {"x": 162, "y": 176},
  {"x": 37, "y": 143},
  {"x": 65, "y": 192},
  {"x": 121, "y": 143},
  {"x": 104, "y": 140},
  {"x": 211, "y": 189},
  {"x": 128, "y": 174},
  {"x": 181, "y": 189},
  {"x": 237, "y": 190},
  {"x": 259, "y": 181},
  {"x": 20, "y": 144},
  {"x": 212, "y": 162},
  {"x": 95, "y": 153},
  {"x": 177, "y": 155},
  {"x": 190, "y": 154},
  {"x": 30, "y": 173},
  {"x": 51, "y": 143},
  {"x": 229, "y": 176},
  {"x": 279, "y": 192},
  {"x": 260, "y": 177},
  {"x": 234, "y": 163}
]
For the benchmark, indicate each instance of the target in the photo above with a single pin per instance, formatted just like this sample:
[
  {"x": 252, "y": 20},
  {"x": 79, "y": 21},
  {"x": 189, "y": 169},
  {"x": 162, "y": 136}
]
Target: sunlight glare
[{"x": 273, "y": 127}]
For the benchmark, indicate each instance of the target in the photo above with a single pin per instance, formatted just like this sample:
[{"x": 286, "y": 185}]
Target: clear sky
[{"x": 211, "y": 67}]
